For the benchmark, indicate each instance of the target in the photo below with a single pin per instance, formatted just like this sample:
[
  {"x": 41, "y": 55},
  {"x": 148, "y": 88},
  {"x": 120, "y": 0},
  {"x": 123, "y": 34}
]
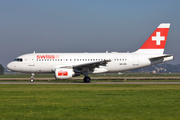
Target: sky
[{"x": 59, "y": 26}]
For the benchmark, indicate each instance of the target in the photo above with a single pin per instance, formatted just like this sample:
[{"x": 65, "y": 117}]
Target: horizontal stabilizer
[
  {"x": 160, "y": 59},
  {"x": 163, "y": 56}
]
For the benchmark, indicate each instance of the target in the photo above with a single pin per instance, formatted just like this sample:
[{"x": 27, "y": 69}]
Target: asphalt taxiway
[
  {"x": 89, "y": 83},
  {"x": 49, "y": 80},
  {"x": 99, "y": 78}
]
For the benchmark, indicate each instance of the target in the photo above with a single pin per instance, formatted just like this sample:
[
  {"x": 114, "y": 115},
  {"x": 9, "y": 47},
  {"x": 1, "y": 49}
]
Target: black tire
[{"x": 87, "y": 79}]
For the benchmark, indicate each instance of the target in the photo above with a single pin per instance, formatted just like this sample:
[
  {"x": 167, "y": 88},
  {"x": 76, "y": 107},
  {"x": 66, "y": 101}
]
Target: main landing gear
[
  {"x": 87, "y": 79},
  {"x": 32, "y": 77}
]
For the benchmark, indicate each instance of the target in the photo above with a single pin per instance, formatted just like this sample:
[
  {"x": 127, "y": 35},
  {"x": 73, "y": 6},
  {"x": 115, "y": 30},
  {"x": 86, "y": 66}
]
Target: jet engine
[{"x": 64, "y": 73}]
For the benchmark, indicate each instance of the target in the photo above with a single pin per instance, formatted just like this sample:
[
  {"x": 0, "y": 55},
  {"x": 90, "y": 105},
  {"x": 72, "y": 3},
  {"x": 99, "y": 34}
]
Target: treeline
[
  {"x": 160, "y": 68},
  {"x": 1, "y": 70}
]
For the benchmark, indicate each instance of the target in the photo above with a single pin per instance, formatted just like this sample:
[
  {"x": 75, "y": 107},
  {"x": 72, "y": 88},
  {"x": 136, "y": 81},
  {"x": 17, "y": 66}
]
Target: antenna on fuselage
[{"x": 34, "y": 52}]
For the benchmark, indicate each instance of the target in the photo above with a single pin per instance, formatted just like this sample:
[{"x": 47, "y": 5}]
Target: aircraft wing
[
  {"x": 92, "y": 64},
  {"x": 91, "y": 67},
  {"x": 84, "y": 65}
]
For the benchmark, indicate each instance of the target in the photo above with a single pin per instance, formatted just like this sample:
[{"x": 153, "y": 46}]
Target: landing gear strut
[
  {"x": 87, "y": 79},
  {"x": 32, "y": 77}
]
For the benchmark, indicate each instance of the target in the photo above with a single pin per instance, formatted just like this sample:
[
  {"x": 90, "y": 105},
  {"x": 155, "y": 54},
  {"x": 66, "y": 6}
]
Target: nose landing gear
[{"x": 32, "y": 77}]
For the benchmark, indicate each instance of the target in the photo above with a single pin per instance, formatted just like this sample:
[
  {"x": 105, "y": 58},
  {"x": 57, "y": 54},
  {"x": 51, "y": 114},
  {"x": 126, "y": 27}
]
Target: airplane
[{"x": 68, "y": 65}]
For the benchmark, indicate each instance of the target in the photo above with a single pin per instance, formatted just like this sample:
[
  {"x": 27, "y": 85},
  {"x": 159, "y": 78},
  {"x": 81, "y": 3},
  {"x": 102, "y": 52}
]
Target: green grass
[{"x": 89, "y": 101}]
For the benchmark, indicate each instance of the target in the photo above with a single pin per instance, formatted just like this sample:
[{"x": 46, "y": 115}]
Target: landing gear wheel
[
  {"x": 87, "y": 79},
  {"x": 32, "y": 77},
  {"x": 31, "y": 80}
]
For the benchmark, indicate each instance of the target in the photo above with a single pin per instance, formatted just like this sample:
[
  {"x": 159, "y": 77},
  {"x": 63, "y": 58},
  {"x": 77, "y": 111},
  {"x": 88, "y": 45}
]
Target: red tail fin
[{"x": 156, "y": 42}]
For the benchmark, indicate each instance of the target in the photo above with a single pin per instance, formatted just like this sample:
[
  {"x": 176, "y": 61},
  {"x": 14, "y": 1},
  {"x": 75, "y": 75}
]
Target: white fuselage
[{"x": 48, "y": 62}]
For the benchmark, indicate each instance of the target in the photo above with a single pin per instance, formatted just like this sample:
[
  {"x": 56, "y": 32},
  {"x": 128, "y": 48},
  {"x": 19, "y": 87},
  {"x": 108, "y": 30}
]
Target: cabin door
[{"x": 31, "y": 60}]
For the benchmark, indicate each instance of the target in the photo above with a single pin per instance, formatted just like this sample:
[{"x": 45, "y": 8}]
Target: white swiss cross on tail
[
  {"x": 156, "y": 42},
  {"x": 158, "y": 38}
]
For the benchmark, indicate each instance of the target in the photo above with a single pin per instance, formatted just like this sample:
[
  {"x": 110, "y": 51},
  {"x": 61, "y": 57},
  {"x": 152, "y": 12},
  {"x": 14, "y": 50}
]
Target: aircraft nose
[{"x": 9, "y": 66}]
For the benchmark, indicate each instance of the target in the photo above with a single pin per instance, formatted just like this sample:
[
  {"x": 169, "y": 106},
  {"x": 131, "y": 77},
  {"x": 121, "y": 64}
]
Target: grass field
[{"x": 89, "y": 101}]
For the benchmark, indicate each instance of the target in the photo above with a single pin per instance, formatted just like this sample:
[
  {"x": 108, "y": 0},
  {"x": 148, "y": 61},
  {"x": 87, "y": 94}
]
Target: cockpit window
[{"x": 18, "y": 59}]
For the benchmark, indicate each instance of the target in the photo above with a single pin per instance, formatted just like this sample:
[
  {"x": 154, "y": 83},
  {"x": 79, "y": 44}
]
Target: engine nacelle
[{"x": 64, "y": 73}]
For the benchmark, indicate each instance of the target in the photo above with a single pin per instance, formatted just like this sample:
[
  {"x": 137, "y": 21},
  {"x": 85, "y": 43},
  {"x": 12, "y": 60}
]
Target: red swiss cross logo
[{"x": 157, "y": 40}]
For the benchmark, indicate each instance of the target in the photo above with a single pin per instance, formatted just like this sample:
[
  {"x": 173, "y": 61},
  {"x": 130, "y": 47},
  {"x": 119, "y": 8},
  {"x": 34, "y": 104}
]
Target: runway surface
[
  {"x": 89, "y": 83},
  {"x": 100, "y": 78},
  {"x": 48, "y": 80}
]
